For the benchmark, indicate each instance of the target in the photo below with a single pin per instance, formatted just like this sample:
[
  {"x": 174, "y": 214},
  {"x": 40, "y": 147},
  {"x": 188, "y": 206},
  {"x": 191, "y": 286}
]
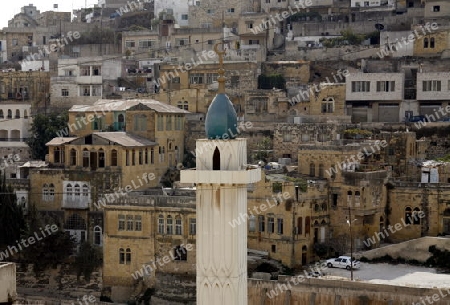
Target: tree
[
  {"x": 12, "y": 222},
  {"x": 88, "y": 259},
  {"x": 43, "y": 129},
  {"x": 262, "y": 150},
  {"x": 49, "y": 250}
]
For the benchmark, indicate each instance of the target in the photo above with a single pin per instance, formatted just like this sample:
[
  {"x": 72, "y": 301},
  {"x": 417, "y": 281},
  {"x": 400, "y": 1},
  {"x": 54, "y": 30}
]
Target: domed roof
[{"x": 221, "y": 119}]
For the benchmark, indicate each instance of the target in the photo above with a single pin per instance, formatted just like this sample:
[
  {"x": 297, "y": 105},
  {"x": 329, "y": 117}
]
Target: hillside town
[{"x": 226, "y": 153}]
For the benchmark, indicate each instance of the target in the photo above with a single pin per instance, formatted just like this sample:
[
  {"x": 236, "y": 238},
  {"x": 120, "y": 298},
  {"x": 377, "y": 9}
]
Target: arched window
[
  {"x": 57, "y": 155},
  {"x": 141, "y": 157},
  {"x": 97, "y": 236},
  {"x": 432, "y": 43},
  {"x": 321, "y": 170},
  {"x": 307, "y": 225},
  {"x": 69, "y": 190},
  {"x": 161, "y": 224},
  {"x": 349, "y": 198},
  {"x": 25, "y": 114},
  {"x": 152, "y": 155},
  {"x": 17, "y": 114},
  {"x": 77, "y": 190},
  {"x": 121, "y": 120},
  {"x": 408, "y": 214},
  {"x": 85, "y": 190},
  {"x": 128, "y": 256},
  {"x": 101, "y": 158},
  {"x": 51, "y": 192},
  {"x": 299, "y": 225},
  {"x": 121, "y": 256},
  {"x": 316, "y": 208},
  {"x": 324, "y": 206},
  {"x": 425, "y": 43},
  {"x": 113, "y": 157},
  {"x": 45, "y": 192},
  {"x": 178, "y": 226},
  {"x": 1, "y": 114},
  {"x": 177, "y": 157},
  {"x": 216, "y": 160},
  {"x": 169, "y": 225},
  {"x": 357, "y": 199},
  {"x": 73, "y": 157},
  {"x": 133, "y": 157},
  {"x": 86, "y": 157},
  {"x": 146, "y": 156},
  {"x": 312, "y": 169},
  {"x": 415, "y": 216},
  {"x": 9, "y": 114}
]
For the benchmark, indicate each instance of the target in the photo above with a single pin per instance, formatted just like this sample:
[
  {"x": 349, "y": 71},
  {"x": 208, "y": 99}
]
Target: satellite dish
[
  {"x": 180, "y": 166},
  {"x": 379, "y": 26}
]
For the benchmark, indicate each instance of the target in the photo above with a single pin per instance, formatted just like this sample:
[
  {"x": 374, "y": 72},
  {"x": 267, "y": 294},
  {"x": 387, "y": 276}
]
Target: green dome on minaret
[{"x": 221, "y": 118}]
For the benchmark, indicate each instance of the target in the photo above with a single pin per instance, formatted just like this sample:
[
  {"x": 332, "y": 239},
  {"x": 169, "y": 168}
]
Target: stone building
[
  {"x": 431, "y": 43},
  {"x": 375, "y": 97},
  {"x": 82, "y": 81},
  {"x": 150, "y": 242},
  {"x": 421, "y": 209},
  {"x": 30, "y": 87},
  {"x": 190, "y": 89},
  {"x": 286, "y": 221},
  {"x": 90, "y": 170}
]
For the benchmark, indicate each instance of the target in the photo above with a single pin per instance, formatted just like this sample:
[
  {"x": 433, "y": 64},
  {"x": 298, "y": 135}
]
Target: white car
[{"x": 342, "y": 262}]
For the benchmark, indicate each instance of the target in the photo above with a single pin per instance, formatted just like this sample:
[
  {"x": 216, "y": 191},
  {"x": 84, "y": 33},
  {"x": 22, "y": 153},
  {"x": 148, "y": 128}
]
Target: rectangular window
[
  {"x": 192, "y": 226},
  {"x": 121, "y": 223},
  {"x": 145, "y": 44},
  {"x": 138, "y": 223},
  {"x": 249, "y": 25},
  {"x": 179, "y": 122},
  {"x": 160, "y": 122},
  {"x": 385, "y": 86},
  {"x": 168, "y": 122},
  {"x": 184, "y": 17},
  {"x": 280, "y": 225},
  {"x": 178, "y": 226},
  {"x": 230, "y": 10},
  {"x": 96, "y": 70},
  {"x": 130, "y": 44},
  {"x": 161, "y": 225},
  {"x": 261, "y": 223},
  {"x": 360, "y": 86},
  {"x": 196, "y": 78},
  {"x": 253, "y": 41},
  {"x": 211, "y": 77},
  {"x": 270, "y": 225},
  {"x": 15, "y": 42},
  {"x": 431, "y": 85},
  {"x": 129, "y": 222},
  {"x": 64, "y": 92},
  {"x": 85, "y": 71},
  {"x": 169, "y": 226}
]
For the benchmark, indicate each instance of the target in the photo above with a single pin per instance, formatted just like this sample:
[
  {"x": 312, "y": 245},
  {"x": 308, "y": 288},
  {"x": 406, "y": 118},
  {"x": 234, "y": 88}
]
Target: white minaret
[{"x": 221, "y": 177}]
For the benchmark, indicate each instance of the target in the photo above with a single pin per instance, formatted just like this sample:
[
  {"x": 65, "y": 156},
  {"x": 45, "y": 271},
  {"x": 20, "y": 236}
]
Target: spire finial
[{"x": 221, "y": 71}]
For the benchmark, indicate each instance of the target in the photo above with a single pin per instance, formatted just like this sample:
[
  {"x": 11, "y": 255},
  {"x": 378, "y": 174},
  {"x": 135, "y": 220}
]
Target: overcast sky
[{"x": 12, "y": 7}]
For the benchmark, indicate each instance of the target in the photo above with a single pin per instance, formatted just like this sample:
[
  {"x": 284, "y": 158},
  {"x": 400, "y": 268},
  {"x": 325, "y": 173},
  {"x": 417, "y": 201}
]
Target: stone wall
[
  {"x": 316, "y": 291},
  {"x": 412, "y": 249}
]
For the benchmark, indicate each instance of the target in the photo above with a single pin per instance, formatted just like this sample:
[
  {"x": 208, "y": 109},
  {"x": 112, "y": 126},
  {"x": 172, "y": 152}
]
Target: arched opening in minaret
[{"x": 216, "y": 160}]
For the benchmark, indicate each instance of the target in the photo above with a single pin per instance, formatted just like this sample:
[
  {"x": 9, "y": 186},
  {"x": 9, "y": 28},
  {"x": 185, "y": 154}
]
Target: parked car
[
  {"x": 273, "y": 165},
  {"x": 342, "y": 262},
  {"x": 417, "y": 118},
  {"x": 445, "y": 119}
]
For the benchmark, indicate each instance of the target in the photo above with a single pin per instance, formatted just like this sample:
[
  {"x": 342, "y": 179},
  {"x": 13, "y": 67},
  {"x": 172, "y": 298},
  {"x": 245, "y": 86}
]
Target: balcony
[
  {"x": 221, "y": 177},
  {"x": 250, "y": 46}
]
